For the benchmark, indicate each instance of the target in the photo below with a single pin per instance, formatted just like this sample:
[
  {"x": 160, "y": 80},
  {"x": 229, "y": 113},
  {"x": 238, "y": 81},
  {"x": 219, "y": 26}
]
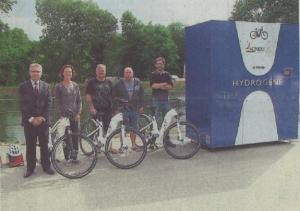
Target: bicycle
[
  {"x": 117, "y": 143},
  {"x": 66, "y": 160},
  {"x": 259, "y": 32},
  {"x": 180, "y": 139}
]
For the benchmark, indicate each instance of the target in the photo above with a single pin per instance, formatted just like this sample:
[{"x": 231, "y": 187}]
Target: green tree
[
  {"x": 75, "y": 32},
  {"x": 266, "y": 11},
  {"x": 133, "y": 44},
  {"x": 14, "y": 50},
  {"x": 6, "y": 5},
  {"x": 143, "y": 43},
  {"x": 159, "y": 42},
  {"x": 113, "y": 55},
  {"x": 3, "y": 27},
  {"x": 177, "y": 34}
]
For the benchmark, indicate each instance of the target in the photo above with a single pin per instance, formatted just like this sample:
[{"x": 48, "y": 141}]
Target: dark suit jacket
[{"x": 32, "y": 105}]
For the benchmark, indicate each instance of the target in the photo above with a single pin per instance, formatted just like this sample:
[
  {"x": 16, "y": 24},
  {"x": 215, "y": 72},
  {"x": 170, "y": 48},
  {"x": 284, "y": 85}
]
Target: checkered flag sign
[{"x": 13, "y": 150}]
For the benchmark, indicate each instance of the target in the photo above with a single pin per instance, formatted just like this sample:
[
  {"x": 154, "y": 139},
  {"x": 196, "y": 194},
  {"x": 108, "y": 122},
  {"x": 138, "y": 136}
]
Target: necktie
[{"x": 36, "y": 88}]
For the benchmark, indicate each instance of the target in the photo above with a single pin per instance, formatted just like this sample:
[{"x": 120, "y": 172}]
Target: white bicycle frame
[
  {"x": 159, "y": 134},
  {"x": 115, "y": 120},
  {"x": 58, "y": 130}
]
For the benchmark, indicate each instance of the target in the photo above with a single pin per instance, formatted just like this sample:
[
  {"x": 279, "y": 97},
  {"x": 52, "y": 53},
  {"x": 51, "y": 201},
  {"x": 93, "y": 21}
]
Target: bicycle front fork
[
  {"x": 123, "y": 147},
  {"x": 178, "y": 130}
]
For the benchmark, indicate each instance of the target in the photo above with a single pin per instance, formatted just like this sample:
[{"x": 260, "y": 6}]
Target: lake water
[{"x": 10, "y": 118}]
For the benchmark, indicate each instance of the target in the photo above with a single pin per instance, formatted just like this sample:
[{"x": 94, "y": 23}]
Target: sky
[{"x": 164, "y": 12}]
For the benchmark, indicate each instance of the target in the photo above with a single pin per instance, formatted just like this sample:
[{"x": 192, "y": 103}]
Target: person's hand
[
  {"x": 42, "y": 119},
  {"x": 93, "y": 110},
  {"x": 36, "y": 121},
  {"x": 166, "y": 86},
  {"x": 162, "y": 85},
  {"x": 141, "y": 110},
  {"x": 77, "y": 118}
]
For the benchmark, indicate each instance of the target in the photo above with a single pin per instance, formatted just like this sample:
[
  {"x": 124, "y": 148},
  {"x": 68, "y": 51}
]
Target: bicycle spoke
[
  {"x": 182, "y": 140},
  {"x": 126, "y": 151},
  {"x": 70, "y": 161}
]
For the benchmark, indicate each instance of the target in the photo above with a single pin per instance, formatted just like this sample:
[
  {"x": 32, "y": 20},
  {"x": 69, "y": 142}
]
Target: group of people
[{"x": 100, "y": 94}]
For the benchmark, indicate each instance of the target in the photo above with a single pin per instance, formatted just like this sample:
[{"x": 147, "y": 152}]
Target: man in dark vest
[{"x": 35, "y": 105}]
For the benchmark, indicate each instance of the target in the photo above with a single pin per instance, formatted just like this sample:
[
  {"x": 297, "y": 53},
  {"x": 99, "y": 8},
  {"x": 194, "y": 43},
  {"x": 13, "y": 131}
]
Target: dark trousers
[
  {"x": 31, "y": 134},
  {"x": 105, "y": 118},
  {"x": 74, "y": 126},
  {"x": 75, "y": 129},
  {"x": 161, "y": 107}
]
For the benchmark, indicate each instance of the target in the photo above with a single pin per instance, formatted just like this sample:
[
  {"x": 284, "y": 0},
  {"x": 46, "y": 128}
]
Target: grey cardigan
[{"x": 68, "y": 99}]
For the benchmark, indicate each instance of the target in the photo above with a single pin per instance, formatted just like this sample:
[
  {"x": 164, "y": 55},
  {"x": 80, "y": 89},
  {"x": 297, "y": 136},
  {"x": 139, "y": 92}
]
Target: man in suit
[{"x": 35, "y": 105}]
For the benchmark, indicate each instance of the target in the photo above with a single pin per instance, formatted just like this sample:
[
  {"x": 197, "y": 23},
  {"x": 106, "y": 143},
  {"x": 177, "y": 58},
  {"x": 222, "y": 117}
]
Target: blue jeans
[
  {"x": 130, "y": 119},
  {"x": 161, "y": 107}
]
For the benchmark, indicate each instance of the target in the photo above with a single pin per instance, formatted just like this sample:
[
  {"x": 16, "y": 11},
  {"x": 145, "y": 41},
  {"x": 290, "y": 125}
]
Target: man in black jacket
[
  {"x": 35, "y": 105},
  {"x": 130, "y": 89}
]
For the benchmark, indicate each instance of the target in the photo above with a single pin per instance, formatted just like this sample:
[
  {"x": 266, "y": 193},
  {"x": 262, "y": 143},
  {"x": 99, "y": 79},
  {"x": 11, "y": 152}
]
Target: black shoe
[
  {"x": 49, "y": 171},
  {"x": 28, "y": 173}
]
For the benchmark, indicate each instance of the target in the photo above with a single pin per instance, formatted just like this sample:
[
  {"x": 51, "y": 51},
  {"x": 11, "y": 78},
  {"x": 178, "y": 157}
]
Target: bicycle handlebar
[
  {"x": 121, "y": 100},
  {"x": 124, "y": 104}
]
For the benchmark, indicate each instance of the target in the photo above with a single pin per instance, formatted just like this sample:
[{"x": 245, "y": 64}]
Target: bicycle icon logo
[{"x": 259, "y": 32}]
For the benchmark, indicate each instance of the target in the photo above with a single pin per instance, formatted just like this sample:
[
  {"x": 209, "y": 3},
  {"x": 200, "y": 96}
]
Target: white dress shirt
[{"x": 33, "y": 86}]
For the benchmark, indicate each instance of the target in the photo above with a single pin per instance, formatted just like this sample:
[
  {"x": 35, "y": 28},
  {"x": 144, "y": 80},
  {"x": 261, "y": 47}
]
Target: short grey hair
[
  {"x": 128, "y": 68},
  {"x": 103, "y": 66},
  {"x": 31, "y": 66}
]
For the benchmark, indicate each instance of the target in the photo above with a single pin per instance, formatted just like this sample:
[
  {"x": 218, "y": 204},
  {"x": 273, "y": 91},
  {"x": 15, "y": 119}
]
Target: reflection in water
[
  {"x": 10, "y": 118},
  {"x": 11, "y": 129}
]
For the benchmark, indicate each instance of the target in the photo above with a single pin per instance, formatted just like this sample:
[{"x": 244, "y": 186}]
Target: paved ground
[{"x": 258, "y": 177}]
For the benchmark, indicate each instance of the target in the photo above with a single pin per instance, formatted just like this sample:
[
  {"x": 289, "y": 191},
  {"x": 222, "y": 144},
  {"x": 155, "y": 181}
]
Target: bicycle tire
[
  {"x": 86, "y": 133},
  {"x": 112, "y": 157},
  {"x": 264, "y": 35},
  {"x": 145, "y": 120},
  {"x": 173, "y": 147},
  {"x": 58, "y": 160},
  {"x": 253, "y": 35}
]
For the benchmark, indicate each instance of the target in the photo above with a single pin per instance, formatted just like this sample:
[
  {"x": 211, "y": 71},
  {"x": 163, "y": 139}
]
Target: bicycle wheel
[
  {"x": 121, "y": 152},
  {"x": 182, "y": 140},
  {"x": 70, "y": 162},
  {"x": 253, "y": 34},
  {"x": 144, "y": 125},
  {"x": 88, "y": 129},
  {"x": 264, "y": 35}
]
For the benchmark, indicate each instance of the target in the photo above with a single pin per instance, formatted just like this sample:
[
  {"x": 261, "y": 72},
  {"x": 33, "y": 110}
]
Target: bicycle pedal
[{"x": 152, "y": 147}]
